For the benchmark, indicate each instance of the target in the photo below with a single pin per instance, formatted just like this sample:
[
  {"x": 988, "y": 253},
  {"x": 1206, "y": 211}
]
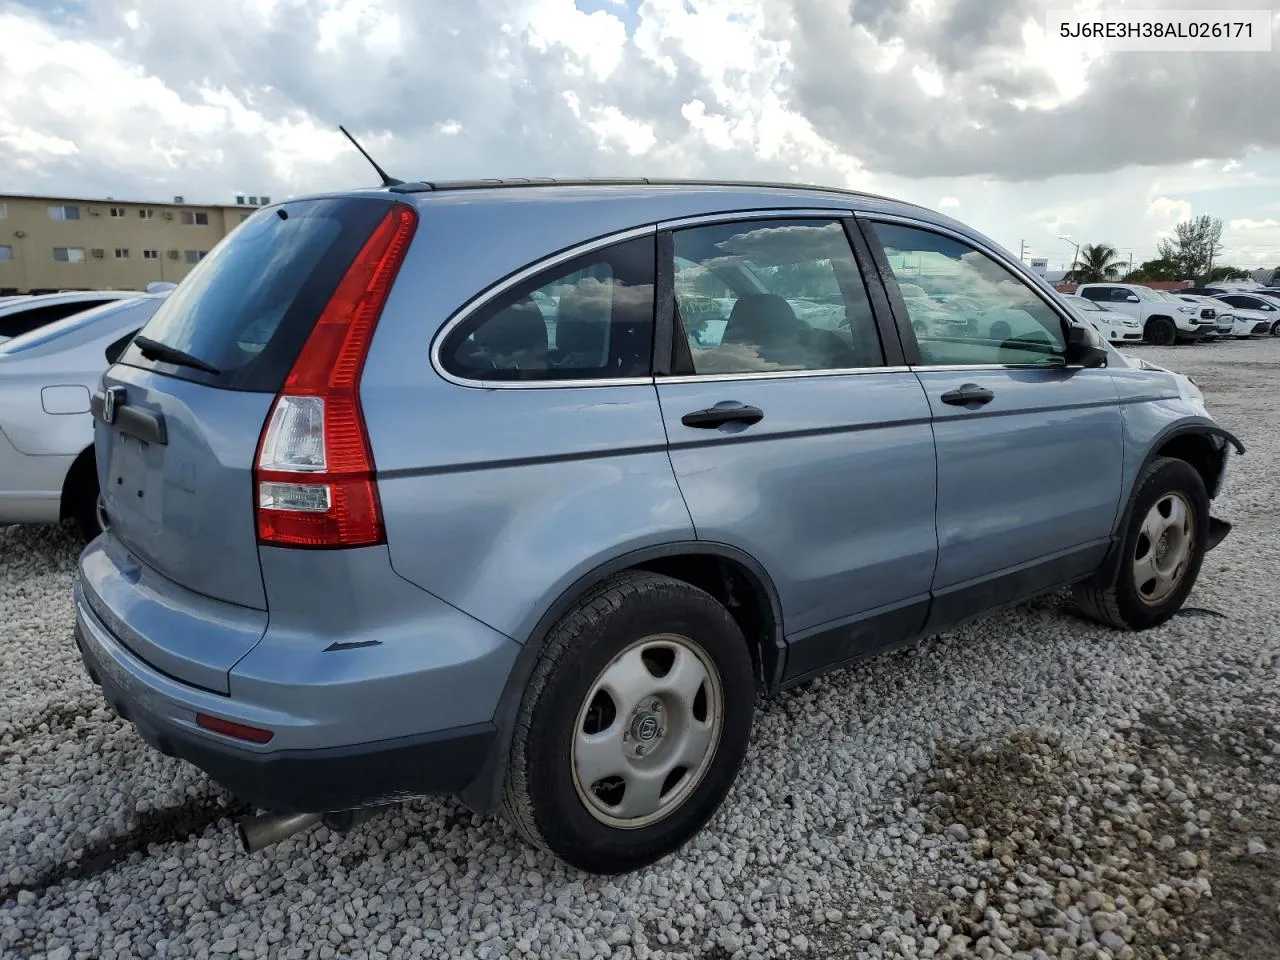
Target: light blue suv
[{"x": 523, "y": 491}]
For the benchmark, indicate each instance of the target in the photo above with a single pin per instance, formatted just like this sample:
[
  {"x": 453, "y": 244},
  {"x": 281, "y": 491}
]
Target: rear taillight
[{"x": 314, "y": 475}]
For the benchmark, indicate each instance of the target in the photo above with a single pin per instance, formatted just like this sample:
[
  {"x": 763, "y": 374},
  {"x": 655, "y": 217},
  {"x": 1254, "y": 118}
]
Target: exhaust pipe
[{"x": 268, "y": 828}]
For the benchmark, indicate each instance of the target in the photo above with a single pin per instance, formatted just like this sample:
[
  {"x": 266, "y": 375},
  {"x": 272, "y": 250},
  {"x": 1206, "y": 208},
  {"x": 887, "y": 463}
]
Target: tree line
[{"x": 1190, "y": 254}]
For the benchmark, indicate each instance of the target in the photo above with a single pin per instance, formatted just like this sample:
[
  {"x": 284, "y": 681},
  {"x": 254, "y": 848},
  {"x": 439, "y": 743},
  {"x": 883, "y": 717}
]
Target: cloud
[
  {"x": 916, "y": 98},
  {"x": 948, "y": 203}
]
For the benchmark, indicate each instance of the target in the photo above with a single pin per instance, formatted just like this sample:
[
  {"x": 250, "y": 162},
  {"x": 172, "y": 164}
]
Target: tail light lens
[{"x": 314, "y": 474}]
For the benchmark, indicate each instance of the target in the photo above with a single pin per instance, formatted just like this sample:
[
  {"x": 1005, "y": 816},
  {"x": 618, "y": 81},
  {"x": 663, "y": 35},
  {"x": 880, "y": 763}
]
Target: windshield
[{"x": 1081, "y": 303}]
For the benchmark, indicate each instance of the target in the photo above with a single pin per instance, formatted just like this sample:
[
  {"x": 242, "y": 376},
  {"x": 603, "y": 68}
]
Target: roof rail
[{"x": 425, "y": 186}]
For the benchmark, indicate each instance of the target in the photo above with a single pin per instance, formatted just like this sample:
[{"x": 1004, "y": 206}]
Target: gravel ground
[{"x": 1029, "y": 786}]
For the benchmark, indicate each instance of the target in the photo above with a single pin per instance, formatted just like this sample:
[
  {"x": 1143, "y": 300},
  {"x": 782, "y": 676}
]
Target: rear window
[
  {"x": 248, "y": 307},
  {"x": 24, "y": 321}
]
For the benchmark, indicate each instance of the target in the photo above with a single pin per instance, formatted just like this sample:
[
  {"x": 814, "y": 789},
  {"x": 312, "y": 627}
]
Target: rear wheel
[
  {"x": 1163, "y": 548},
  {"x": 80, "y": 496},
  {"x": 1160, "y": 332},
  {"x": 633, "y": 726}
]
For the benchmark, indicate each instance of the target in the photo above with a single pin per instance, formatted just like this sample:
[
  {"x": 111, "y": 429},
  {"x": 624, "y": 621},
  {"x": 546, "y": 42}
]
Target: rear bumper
[
  {"x": 289, "y": 781},
  {"x": 373, "y": 690}
]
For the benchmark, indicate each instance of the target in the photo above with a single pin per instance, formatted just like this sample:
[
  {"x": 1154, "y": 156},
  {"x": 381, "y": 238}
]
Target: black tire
[
  {"x": 1160, "y": 332},
  {"x": 1119, "y": 603},
  {"x": 1275, "y": 329},
  {"x": 82, "y": 497},
  {"x": 541, "y": 798}
]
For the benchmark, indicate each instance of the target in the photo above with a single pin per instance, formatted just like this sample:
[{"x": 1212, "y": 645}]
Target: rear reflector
[
  {"x": 314, "y": 474},
  {"x": 231, "y": 729}
]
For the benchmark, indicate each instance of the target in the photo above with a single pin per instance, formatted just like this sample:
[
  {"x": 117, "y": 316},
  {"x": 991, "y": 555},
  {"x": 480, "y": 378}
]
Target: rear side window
[
  {"x": 24, "y": 321},
  {"x": 590, "y": 318},
  {"x": 247, "y": 308}
]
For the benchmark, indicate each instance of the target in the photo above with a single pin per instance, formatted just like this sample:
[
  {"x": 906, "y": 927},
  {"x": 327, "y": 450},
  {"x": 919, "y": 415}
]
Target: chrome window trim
[
  {"x": 962, "y": 367},
  {"x": 491, "y": 293},
  {"x": 1019, "y": 270},
  {"x": 772, "y": 213},
  {"x": 778, "y": 375}
]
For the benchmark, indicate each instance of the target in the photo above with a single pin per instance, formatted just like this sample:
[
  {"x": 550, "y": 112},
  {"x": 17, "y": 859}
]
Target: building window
[
  {"x": 6, "y": 253},
  {"x": 4, "y": 210},
  {"x": 122, "y": 253},
  {"x": 264, "y": 201},
  {"x": 194, "y": 256},
  {"x": 117, "y": 212},
  {"x": 150, "y": 254},
  {"x": 68, "y": 254},
  {"x": 146, "y": 214},
  {"x": 64, "y": 211},
  {"x": 245, "y": 216},
  {"x": 194, "y": 219}
]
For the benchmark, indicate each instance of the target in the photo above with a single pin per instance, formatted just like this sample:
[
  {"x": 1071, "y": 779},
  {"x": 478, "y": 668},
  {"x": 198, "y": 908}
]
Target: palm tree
[{"x": 1096, "y": 262}]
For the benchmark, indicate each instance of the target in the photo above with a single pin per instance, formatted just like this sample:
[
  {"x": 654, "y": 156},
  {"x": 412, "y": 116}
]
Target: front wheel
[
  {"x": 1160, "y": 332},
  {"x": 633, "y": 726},
  {"x": 1275, "y": 329},
  {"x": 1164, "y": 545}
]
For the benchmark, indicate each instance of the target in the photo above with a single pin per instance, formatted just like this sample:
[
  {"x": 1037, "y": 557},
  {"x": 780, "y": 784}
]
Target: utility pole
[{"x": 1022, "y": 250}]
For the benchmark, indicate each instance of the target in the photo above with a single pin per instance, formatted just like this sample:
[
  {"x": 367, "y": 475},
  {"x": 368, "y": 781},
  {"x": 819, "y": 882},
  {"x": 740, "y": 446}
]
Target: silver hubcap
[
  {"x": 1165, "y": 542},
  {"x": 647, "y": 731}
]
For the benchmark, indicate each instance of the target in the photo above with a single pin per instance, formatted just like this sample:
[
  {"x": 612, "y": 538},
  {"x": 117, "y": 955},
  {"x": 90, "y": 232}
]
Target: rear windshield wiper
[{"x": 155, "y": 350}]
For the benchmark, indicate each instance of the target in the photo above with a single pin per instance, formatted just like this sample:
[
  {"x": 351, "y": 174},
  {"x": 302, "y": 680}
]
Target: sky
[{"x": 967, "y": 106}]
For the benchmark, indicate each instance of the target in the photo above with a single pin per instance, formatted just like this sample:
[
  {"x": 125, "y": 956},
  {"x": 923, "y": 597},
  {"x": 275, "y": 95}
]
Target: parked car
[
  {"x": 1210, "y": 308},
  {"x": 1264, "y": 309},
  {"x": 371, "y": 536},
  {"x": 1112, "y": 324},
  {"x": 1164, "y": 321},
  {"x": 47, "y": 470},
  {"x": 22, "y": 314},
  {"x": 1259, "y": 322}
]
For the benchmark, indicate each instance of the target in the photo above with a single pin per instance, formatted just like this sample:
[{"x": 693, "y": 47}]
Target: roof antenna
[{"x": 386, "y": 180}]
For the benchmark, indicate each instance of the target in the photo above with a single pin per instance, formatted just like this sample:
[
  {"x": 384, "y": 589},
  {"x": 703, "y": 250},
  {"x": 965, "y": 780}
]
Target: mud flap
[{"x": 1218, "y": 530}]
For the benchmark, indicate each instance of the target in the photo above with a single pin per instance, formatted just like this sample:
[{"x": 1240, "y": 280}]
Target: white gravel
[{"x": 1030, "y": 786}]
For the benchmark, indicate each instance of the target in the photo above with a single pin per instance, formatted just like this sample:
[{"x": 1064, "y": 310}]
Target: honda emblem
[{"x": 112, "y": 396}]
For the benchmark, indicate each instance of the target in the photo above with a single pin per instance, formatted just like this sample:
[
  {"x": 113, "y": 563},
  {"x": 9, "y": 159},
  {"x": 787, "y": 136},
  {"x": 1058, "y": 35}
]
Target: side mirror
[
  {"x": 1085, "y": 347},
  {"x": 1133, "y": 298}
]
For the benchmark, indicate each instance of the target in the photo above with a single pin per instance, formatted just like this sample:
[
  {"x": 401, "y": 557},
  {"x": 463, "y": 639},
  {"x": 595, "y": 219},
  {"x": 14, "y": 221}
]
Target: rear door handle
[
  {"x": 722, "y": 413},
  {"x": 969, "y": 393}
]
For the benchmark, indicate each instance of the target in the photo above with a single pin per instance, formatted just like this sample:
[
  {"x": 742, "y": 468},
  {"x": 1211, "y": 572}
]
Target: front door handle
[
  {"x": 966, "y": 394},
  {"x": 721, "y": 414}
]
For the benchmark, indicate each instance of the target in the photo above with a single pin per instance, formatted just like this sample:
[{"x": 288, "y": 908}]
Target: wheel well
[
  {"x": 1160, "y": 316},
  {"x": 740, "y": 591},
  {"x": 83, "y": 470},
  {"x": 1198, "y": 450}
]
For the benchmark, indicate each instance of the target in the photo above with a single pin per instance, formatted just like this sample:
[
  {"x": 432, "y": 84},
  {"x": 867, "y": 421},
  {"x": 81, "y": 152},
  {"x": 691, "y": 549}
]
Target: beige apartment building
[{"x": 72, "y": 243}]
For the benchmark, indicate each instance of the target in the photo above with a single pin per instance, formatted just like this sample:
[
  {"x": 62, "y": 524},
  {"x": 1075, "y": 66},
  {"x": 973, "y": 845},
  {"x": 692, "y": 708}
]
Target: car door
[
  {"x": 1029, "y": 450},
  {"x": 795, "y": 432}
]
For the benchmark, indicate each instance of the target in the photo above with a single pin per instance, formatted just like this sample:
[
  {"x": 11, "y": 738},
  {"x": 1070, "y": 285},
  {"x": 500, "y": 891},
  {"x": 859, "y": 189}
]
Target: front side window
[
  {"x": 765, "y": 296},
  {"x": 970, "y": 309},
  {"x": 588, "y": 319}
]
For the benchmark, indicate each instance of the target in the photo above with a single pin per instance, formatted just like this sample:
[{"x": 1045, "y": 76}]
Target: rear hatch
[{"x": 179, "y": 415}]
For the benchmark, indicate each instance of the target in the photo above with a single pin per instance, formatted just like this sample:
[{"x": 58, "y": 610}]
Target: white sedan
[
  {"x": 1115, "y": 326},
  {"x": 22, "y": 314},
  {"x": 47, "y": 469}
]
